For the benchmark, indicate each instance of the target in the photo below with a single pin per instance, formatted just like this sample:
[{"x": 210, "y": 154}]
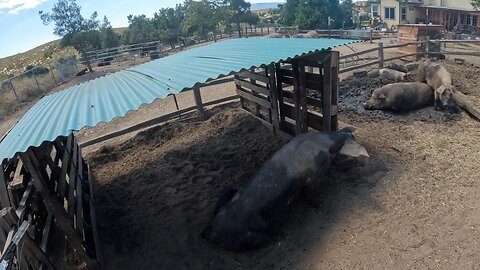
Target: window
[
  {"x": 389, "y": 13},
  {"x": 374, "y": 11},
  {"x": 474, "y": 20},
  {"x": 469, "y": 19},
  {"x": 404, "y": 14}
]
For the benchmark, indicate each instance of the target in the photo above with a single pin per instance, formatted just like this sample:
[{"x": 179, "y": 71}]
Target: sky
[{"x": 21, "y": 28}]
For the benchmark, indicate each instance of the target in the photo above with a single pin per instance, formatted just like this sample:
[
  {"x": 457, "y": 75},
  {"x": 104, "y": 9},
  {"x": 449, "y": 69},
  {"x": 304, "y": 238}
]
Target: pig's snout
[{"x": 368, "y": 105}]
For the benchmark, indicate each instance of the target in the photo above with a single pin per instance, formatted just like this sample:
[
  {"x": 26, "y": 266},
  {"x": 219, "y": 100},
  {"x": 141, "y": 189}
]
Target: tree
[
  {"x": 200, "y": 18},
  {"x": 475, "y": 4},
  {"x": 311, "y": 14},
  {"x": 238, "y": 10},
  {"x": 74, "y": 29},
  {"x": 288, "y": 11},
  {"x": 347, "y": 8},
  {"x": 140, "y": 29},
  {"x": 109, "y": 39},
  {"x": 168, "y": 23}
]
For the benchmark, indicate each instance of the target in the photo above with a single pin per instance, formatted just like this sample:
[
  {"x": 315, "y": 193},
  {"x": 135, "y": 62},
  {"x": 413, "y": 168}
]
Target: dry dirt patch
[{"x": 414, "y": 205}]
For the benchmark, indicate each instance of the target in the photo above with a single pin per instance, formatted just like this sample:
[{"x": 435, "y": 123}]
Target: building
[{"x": 455, "y": 15}]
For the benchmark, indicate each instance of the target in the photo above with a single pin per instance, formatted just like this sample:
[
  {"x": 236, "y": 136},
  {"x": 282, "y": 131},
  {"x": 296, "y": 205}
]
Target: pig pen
[{"x": 414, "y": 205}]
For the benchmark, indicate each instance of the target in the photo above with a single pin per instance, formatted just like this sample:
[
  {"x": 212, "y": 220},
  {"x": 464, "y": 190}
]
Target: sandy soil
[{"x": 414, "y": 205}]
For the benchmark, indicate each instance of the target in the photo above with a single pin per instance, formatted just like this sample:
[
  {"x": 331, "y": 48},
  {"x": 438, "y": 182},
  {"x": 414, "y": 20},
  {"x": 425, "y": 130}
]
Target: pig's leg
[
  {"x": 437, "y": 103},
  {"x": 224, "y": 198}
]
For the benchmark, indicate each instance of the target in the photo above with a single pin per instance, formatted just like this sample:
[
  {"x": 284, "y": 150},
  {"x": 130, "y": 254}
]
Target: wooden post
[
  {"x": 14, "y": 92},
  {"x": 303, "y": 96},
  {"x": 242, "y": 99},
  {"x": 327, "y": 93},
  {"x": 381, "y": 55},
  {"x": 297, "y": 96},
  {"x": 278, "y": 75},
  {"x": 427, "y": 47},
  {"x": 335, "y": 58},
  {"x": 56, "y": 208},
  {"x": 4, "y": 198},
  {"x": 36, "y": 81},
  {"x": 371, "y": 35},
  {"x": 257, "y": 106},
  {"x": 274, "y": 97},
  {"x": 53, "y": 75},
  {"x": 198, "y": 99}
]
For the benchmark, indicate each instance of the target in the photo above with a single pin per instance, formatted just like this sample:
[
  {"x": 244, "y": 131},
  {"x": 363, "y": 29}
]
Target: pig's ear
[
  {"x": 382, "y": 96},
  {"x": 441, "y": 89}
]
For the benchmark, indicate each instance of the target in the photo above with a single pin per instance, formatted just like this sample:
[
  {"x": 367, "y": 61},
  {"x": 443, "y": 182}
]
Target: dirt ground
[{"x": 413, "y": 205}]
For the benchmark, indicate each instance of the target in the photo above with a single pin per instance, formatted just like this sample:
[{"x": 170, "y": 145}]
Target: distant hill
[
  {"x": 38, "y": 56},
  {"x": 258, "y": 6}
]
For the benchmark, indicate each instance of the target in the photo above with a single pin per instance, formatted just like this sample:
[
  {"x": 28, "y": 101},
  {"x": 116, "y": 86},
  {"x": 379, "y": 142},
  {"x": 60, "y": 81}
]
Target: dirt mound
[{"x": 157, "y": 191}]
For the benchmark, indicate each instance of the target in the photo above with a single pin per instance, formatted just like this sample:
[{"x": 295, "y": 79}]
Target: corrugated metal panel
[{"x": 111, "y": 96}]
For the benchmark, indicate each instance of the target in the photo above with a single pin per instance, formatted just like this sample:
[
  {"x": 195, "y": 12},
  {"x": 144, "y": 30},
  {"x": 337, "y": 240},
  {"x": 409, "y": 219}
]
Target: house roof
[{"x": 111, "y": 96}]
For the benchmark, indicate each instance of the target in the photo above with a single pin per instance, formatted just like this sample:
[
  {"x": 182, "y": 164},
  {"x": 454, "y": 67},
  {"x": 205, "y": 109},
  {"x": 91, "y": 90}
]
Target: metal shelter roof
[{"x": 111, "y": 96}]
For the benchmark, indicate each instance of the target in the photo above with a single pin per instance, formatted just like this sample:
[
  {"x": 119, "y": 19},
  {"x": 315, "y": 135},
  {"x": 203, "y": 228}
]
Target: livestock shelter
[{"x": 46, "y": 192}]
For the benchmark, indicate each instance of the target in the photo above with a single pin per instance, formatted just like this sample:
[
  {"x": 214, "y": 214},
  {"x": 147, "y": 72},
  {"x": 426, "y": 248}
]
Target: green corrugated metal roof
[{"x": 111, "y": 96}]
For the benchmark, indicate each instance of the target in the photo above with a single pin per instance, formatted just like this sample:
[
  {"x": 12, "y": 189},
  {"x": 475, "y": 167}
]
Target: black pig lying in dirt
[
  {"x": 245, "y": 219},
  {"x": 401, "y": 97}
]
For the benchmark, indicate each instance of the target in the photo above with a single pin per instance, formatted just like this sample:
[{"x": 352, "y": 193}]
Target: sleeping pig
[{"x": 400, "y": 97}]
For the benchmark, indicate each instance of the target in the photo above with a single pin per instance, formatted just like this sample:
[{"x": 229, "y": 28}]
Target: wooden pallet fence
[
  {"x": 49, "y": 188},
  {"x": 253, "y": 89},
  {"x": 283, "y": 91}
]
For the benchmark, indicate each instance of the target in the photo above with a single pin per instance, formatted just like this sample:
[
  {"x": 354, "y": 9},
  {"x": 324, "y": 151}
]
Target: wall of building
[
  {"x": 393, "y": 4},
  {"x": 461, "y": 4}
]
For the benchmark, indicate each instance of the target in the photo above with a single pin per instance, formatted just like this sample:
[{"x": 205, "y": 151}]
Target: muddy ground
[{"x": 413, "y": 205}]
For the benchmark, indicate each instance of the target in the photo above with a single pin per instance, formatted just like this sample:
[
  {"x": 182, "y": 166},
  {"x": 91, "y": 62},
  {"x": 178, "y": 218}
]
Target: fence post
[
  {"x": 427, "y": 47},
  {"x": 15, "y": 93},
  {"x": 36, "y": 81},
  {"x": 53, "y": 76},
  {"x": 371, "y": 35},
  {"x": 380, "y": 55},
  {"x": 198, "y": 99}
]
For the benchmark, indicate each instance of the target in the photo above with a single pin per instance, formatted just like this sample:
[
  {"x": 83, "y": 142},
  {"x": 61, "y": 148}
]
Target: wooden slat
[
  {"x": 18, "y": 178},
  {"x": 335, "y": 85},
  {"x": 309, "y": 84},
  {"x": 93, "y": 218},
  {"x": 303, "y": 97},
  {"x": 274, "y": 98},
  {"x": 46, "y": 232},
  {"x": 314, "y": 120},
  {"x": 308, "y": 76},
  {"x": 255, "y": 93},
  {"x": 242, "y": 100},
  {"x": 27, "y": 195},
  {"x": 278, "y": 76},
  {"x": 343, "y": 70},
  {"x": 56, "y": 209},
  {"x": 255, "y": 76},
  {"x": 78, "y": 187},
  {"x": 10, "y": 234},
  {"x": 4, "y": 198},
  {"x": 253, "y": 87},
  {"x": 327, "y": 95},
  {"x": 242, "y": 92},
  {"x": 296, "y": 98},
  {"x": 72, "y": 178},
  {"x": 62, "y": 180}
]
